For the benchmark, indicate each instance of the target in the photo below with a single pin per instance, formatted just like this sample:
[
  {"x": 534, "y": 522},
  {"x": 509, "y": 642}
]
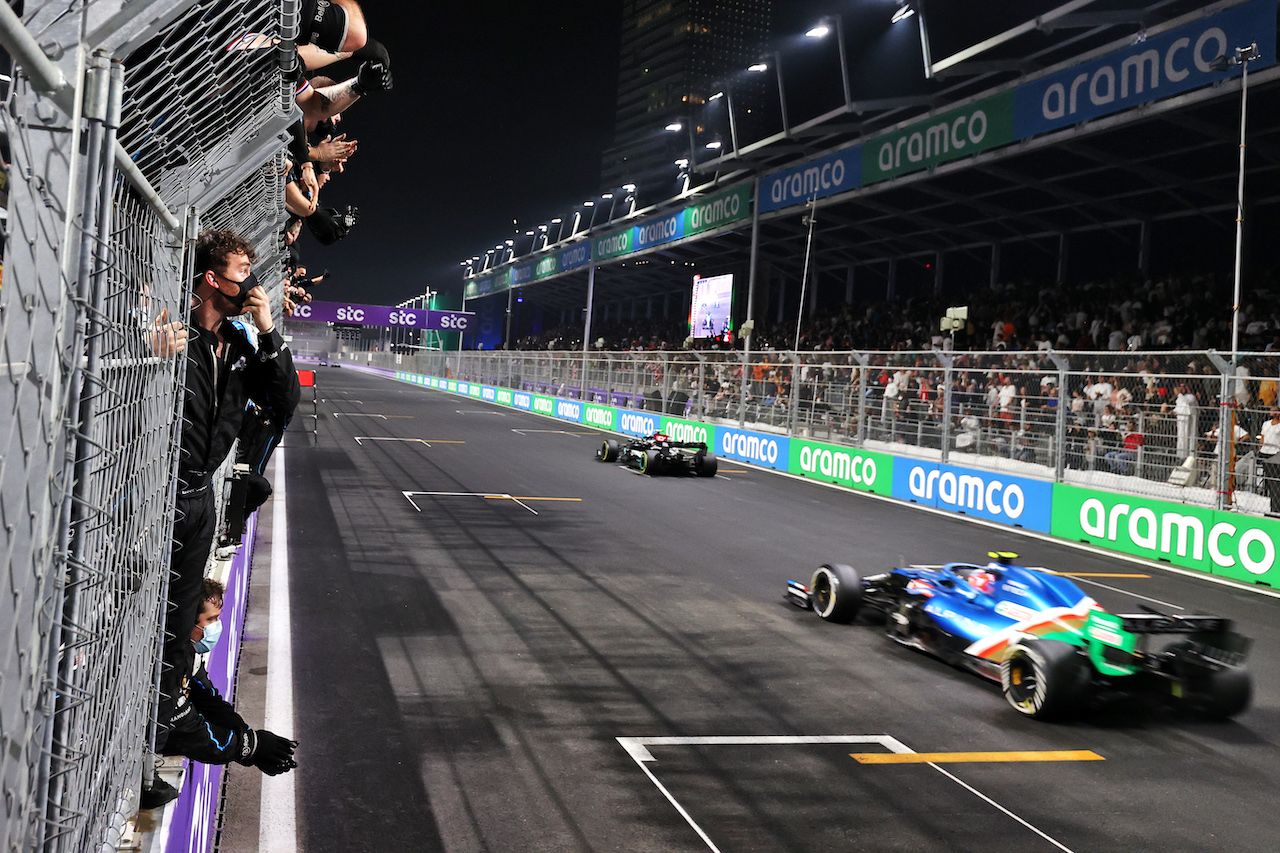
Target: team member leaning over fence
[
  {"x": 224, "y": 372},
  {"x": 204, "y": 726}
]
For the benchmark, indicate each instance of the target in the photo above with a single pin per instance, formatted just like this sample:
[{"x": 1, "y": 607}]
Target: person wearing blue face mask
[
  {"x": 224, "y": 372},
  {"x": 204, "y": 726}
]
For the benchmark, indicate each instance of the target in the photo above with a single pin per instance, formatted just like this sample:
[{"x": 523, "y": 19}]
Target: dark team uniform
[
  {"x": 206, "y": 728},
  {"x": 218, "y": 389}
]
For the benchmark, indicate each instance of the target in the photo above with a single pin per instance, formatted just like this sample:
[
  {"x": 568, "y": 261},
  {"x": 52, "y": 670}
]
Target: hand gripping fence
[{"x": 131, "y": 125}]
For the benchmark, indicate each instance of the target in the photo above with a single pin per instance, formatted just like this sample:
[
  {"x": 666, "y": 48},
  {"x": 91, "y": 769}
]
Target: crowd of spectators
[{"x": 1174, "y": 313}]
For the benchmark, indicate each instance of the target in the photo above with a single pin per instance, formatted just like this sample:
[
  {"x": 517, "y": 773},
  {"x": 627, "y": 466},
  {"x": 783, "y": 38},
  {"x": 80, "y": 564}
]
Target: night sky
[{"x": 500, "y": 111}]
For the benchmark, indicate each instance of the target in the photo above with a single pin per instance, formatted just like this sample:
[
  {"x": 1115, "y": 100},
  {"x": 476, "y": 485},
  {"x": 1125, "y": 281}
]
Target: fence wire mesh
[
  {"x": 92, "y": 398},
  {"x": 1144, "y": 423}
]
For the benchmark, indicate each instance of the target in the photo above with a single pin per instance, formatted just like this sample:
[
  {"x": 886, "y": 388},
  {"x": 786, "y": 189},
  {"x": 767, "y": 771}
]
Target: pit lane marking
[
  {"x": 637, "y": 748},
  {"x": 551, "y": 431},
  {"x": 480, "y": 412},
  {"x": 968, "y": 757},
  {"x": 493, "y": 496},
  {"x": 361, "y": 439},
  {"x": 367, "y": 415}
]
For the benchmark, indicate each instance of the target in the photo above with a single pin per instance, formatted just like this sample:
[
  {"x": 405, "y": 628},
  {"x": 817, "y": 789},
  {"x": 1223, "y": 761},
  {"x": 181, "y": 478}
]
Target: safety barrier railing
[
  {"x": 125, "y": 122},
  {"x": 1143, "y": 423}
]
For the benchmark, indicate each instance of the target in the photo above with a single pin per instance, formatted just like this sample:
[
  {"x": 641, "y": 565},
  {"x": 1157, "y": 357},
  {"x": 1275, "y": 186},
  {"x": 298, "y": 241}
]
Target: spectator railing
[
  {"x": 126, "y": 122},
  {"x": 1142, "y": 423}
]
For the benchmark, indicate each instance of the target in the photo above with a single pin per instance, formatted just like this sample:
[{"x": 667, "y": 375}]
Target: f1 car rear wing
[{"x": 1117, "y": 642}]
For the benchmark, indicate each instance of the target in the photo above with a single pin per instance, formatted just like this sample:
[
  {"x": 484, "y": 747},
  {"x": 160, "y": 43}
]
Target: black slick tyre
[
  {"x": 1044, "y": 679},
  {"x": 1222, "y": 693},
  {"x": 649, "y": 462},
  {"x": 608, "y": 451},
  {"x": 707, "y": 464},
  {"x": 836, "y": 593}
]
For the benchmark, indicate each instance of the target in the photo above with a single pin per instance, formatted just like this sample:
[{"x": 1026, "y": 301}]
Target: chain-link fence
[
  {"x": 1142, "y": 423},
  {"x": 123, "y": 121}
]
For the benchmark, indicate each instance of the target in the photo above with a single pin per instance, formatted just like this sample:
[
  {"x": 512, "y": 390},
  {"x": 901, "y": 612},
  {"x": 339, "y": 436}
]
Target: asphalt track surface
[{"x": 466, "y": 662}]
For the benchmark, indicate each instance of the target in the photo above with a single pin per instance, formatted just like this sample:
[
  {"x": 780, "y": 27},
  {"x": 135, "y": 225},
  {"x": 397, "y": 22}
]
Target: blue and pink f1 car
[{"x": 1051, "y": 647}]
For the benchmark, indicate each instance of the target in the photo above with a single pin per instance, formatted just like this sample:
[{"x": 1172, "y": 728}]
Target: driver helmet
[{"x": 982, "y": 580}]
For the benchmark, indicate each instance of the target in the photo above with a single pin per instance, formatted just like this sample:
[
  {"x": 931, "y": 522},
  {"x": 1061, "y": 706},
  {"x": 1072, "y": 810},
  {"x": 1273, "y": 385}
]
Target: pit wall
[{"x": 1216, "y": 542}]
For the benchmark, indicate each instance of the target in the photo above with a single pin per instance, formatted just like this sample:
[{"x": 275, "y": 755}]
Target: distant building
[{"x": 673, "y": 52}]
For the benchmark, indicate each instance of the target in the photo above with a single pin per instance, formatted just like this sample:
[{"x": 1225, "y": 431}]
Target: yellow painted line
[
  {"x": 955, "y": 757},
  {"x": 734, "y": 471},
  {"x": 520, "y": 498}
]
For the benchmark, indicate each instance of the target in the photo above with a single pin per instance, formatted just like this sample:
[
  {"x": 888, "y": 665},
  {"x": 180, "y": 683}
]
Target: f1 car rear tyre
[
  {"x": 608, "y": 451},
  {"x": 1044, "y": 679},
  {"x": 836, "y": 593},
  {"x": 1214, "y": 694},
  {"x": 707, "y": 464},
  {"x": 649, "y": 463},
  {"x": 1222, "y": 693}
]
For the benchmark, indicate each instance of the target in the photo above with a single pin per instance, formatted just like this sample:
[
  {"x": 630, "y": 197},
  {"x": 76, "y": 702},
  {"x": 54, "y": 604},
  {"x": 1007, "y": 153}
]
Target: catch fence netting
[{"x": 131, "y": 126}]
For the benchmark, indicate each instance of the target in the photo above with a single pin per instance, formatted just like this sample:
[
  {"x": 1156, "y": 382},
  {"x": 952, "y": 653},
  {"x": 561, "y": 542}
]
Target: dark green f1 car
[{"x": 658, "y": 454}]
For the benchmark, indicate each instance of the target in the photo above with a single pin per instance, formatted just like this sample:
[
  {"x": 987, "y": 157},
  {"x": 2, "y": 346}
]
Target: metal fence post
[
  {"x": 1063, "y": 364},
  {"x": 948, "y": 374}
]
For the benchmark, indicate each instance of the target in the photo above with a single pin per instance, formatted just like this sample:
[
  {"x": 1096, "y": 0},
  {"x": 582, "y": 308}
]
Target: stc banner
[{"x": 384, "y": 315}]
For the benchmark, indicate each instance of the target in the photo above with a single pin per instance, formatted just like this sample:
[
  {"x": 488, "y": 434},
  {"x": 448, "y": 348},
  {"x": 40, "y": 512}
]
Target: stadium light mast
[{"x": 1243, "y": 56}]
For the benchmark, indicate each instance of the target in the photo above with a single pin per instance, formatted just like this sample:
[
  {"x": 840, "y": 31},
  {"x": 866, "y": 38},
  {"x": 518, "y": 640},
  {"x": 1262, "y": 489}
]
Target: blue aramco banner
[
  {"x": 825, "y": 176},
  {"x": 771, "y": 451},
  {"x": 638, "y": 423},
  {"x": 1160, "y": 66},
  {"x": 1018, "y": 501}
]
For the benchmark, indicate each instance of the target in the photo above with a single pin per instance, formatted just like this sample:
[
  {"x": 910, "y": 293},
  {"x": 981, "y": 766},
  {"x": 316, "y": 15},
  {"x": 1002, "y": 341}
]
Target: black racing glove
[
  {"x": 373, "y": 77},
  {"x": 269, "y": 752},
  {"x": 373, "y": 51}
]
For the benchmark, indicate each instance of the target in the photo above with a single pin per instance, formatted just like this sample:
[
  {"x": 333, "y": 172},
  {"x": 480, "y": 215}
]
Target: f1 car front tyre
[
  {"x": 706, "y": 464},
  {"x": 836, "y": 593},
  {"x": 1044, "y": 679},
  {"x": 608, "y": 451}
]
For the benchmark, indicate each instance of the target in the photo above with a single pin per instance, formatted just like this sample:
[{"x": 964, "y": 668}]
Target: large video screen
[{"x": 711, "y": 312}]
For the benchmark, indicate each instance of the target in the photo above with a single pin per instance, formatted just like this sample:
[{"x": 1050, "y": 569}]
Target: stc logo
[
  {"x": 347, "y": 314},
  {"x": 302, "y": 311},
  {"x": 454, "y": 322}
]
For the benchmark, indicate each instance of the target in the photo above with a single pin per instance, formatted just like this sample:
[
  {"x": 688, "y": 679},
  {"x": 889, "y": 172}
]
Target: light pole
[
  {"x": 1243, "y": 56},
  {"x": 733, "y": 124}
]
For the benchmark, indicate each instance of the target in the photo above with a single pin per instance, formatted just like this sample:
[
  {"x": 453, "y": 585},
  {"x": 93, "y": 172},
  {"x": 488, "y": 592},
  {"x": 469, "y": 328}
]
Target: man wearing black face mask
[{"x": 224, "y": 372}]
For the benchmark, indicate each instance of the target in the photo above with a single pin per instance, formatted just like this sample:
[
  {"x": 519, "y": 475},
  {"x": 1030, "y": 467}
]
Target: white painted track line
[
  {"x": 637, "y": 748},
  {"x": 278, "y": 817}
]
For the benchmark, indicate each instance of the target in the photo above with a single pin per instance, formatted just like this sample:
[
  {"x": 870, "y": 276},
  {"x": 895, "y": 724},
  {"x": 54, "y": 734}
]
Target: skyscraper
[{"x": 673, "y": 55}]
